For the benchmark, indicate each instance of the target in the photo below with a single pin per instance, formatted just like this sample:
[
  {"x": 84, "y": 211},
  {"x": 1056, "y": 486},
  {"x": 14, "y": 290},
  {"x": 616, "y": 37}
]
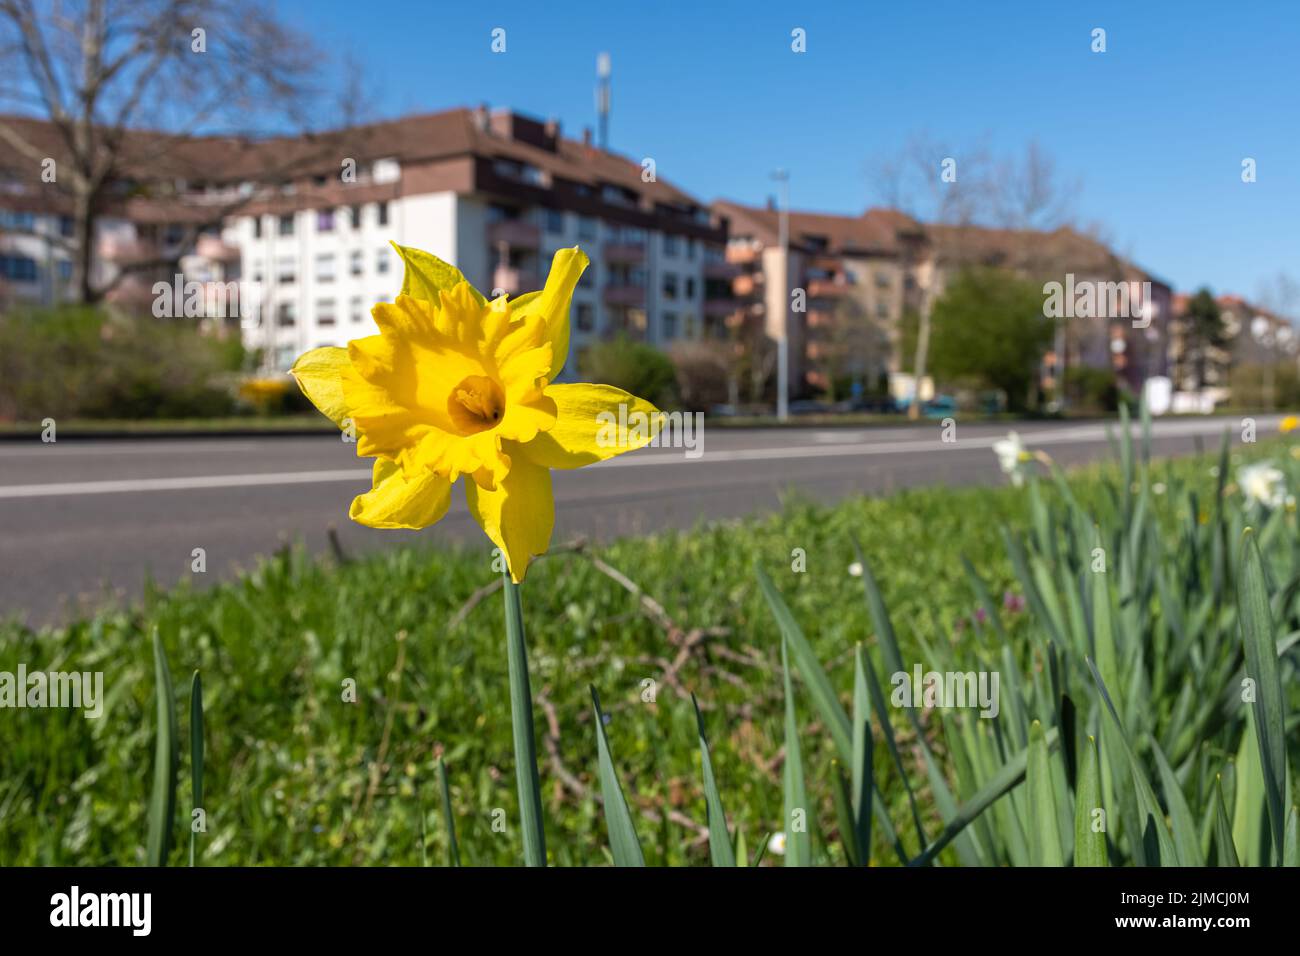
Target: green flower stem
[{"x": 521, "y": 719}]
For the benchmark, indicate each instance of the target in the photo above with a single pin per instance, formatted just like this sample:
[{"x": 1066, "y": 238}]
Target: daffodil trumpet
[{"x": 456, "y": 385}]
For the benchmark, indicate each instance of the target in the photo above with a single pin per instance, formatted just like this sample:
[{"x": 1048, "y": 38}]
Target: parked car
[{"x": 941, "y": 406}]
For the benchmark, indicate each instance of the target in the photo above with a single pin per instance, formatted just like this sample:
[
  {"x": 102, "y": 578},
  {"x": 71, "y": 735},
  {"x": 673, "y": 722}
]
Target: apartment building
[
  {"x": 495, "y": 193},
  {"x": 1132, "y": 341},
  {"x": 850, "y": 280},
  {"x": 301, "y": 228},
  {"x": 1253, "y": 340},
  {"x": 864, "y": 272}
]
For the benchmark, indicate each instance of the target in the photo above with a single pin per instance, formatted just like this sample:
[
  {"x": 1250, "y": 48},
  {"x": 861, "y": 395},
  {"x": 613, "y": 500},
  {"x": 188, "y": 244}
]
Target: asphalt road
[{"x": 82, "y": 522}]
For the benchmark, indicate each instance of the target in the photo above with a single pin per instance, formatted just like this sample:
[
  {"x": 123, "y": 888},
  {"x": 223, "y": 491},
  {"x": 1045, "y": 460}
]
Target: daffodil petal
[
  {"x": 426, "y": 275},
  {"x": 519, "y": 514},
  {"x": 319, "y": 373},
  {"x": 592, "y": 423},
  {"x": 552, "y": 303},
  {"x": 396, "y": 501}
]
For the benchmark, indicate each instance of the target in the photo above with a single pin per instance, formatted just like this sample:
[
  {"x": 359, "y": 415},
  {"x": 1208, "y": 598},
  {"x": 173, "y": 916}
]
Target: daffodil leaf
[
  {"x": 1259, "y": 640},
  {"x": 166, "y": 759},
  {"x": 623, "y": 842},
  {"x": 720, "y": 849},
  {"x": 1089, "y": 842}
]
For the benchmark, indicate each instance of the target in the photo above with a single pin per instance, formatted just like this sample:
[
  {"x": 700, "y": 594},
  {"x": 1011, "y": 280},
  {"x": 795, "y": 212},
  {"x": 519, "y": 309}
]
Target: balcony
[
  {"x": 631, "y": 296},
  {"x": 718, "y": 269},
  {"x": 820, "y": 318},
  {"x": 515, "y": 233},
  {"x": 514, "y": 281},
  {"x": 828, "y": 289},
  {"x": 630, "y": 252},
  {"x": 125, "y": 249},
  {"x": 720, "y": 308},
  {"x": 213, "y": 248}
]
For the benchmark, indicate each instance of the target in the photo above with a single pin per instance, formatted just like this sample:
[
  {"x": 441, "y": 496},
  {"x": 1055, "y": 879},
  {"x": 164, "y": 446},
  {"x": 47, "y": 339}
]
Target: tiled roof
[
  {"x": 876, "y": 231},
  {"x": 412, "y": 140}
]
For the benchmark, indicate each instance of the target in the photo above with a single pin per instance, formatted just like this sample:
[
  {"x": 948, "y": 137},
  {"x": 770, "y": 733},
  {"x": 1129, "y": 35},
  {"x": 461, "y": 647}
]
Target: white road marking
[
  {"x": 1091, "y": 433},
  {"x": 127, "y": 485},
  {"x": 73, "y": 448}
]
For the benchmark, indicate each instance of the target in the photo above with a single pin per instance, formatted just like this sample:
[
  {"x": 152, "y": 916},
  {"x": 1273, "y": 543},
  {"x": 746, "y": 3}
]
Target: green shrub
[
  {"x": 79, "y": 362},
  {"x": 633, "y": 366}
]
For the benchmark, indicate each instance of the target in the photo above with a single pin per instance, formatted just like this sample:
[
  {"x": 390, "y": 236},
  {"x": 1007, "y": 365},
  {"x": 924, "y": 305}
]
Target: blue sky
[{"x": 1154, "y": 129}]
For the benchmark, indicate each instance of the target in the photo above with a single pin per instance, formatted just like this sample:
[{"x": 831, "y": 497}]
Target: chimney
[
  {"x": 771, "y": 203},
  {"x": 481, "y": 117},
  {"x": 586, "y": 136}
]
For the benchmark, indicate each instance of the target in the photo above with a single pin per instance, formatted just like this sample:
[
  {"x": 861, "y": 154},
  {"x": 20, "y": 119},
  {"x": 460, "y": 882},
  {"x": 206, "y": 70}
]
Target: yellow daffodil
[
  {"x": 1289, "y": 424},
  {"x": 456, "y": 385}
]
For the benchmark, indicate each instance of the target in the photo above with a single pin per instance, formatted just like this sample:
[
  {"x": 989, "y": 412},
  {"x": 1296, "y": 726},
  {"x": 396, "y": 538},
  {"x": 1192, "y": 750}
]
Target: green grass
[{"x": 295, "y": 774}]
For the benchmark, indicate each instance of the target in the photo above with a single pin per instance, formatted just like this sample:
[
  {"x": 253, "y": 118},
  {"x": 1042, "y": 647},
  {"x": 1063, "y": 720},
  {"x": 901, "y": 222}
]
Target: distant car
[
  {"x": 941, "y": 406},
  {"x": 874, "y": 403},
  {"x": 808, "y": 406}
]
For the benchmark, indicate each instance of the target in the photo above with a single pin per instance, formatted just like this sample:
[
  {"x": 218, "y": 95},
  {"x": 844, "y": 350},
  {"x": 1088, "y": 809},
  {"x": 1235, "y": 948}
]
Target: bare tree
[
  {"x": 102, "y": 72},
  {"x": 976, "y": 209},
  {"x": 941, "y": 187}
]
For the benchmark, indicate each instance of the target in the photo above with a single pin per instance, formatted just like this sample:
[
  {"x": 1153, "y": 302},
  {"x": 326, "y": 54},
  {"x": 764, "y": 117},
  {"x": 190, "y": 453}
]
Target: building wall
[{"x": 34, "y": 269}]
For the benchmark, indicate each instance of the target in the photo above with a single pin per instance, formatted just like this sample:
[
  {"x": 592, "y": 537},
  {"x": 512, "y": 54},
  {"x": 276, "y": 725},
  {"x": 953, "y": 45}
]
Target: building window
[
  {"x": 587, "y": 279},
  {"x": 285, "y": 357},
  {"x": 382, "y": 210},
  {"x": 669, "y": 326},
  {"x": 65, "y": 226},
  {"x": 17, "y": 221},
  {"x": 585, "y": 316},
  {"x": 356, "y": 310},
  {"x": 286, "y": 269},
  {"x": 587, "y": 228},
  {"x": 257, "y": 227},
  {"x": 286, "y": 225},
  {"x": 670, "y": 285},
  {"x": 285, "y": 315},
  {"x": 355, "y": 214},
  {"x": 325, "y": 267},
  {"x": 357, "y": 261},
  {"x": 882, "y": 280},
  {"x": 690, "y": 249},
  {"x": 671, "y": 246},
  {"x": 18, "y": 268},
  {"x": 618, "y": 196},
  {"x": 690, "y": 287},
  {"x": 554, "y": 221},
  {"x": 324, "y": 220},
  {"x": 882, "y": 310},
  {"x": 325, "y": 314},
  {"x": 381, "y": 261}
]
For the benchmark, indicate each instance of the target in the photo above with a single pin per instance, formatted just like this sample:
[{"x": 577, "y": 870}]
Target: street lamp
[{"x": 783, "y": 339}]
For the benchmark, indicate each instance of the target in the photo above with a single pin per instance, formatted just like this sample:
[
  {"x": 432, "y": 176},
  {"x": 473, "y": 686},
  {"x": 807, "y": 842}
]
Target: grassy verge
[{"x": 297, "y": 773}]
